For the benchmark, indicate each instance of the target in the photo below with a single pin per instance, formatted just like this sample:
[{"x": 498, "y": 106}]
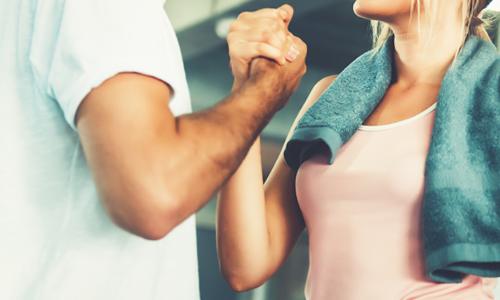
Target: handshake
[{"x": 265, "y": 54}]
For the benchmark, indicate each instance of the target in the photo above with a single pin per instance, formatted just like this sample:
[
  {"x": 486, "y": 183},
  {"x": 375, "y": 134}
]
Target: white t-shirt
[{"x": 56, "y": 240}]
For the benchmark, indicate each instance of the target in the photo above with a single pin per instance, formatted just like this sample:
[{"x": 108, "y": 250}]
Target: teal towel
[{"x": 461, "y": 209}]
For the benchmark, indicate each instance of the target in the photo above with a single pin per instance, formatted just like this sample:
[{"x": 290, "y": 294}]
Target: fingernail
[
  {"x": 291, "y": 56},
  {"x": 293, "y": 53}
]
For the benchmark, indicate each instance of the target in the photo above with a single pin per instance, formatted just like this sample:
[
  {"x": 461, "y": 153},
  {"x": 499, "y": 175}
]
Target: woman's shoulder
[{"x": 319, "y": 88}]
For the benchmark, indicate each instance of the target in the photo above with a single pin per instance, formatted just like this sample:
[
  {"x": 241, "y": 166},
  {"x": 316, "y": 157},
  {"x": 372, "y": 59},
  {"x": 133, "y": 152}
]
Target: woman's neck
[{"x": 419, "y": 60}]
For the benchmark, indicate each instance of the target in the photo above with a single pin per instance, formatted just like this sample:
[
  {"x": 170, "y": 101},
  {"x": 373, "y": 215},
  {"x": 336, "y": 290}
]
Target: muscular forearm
[
  {"x": 153, "y": 169},
  {"x": 205, "y": 149},
  {"x": 209, "y": 146}
]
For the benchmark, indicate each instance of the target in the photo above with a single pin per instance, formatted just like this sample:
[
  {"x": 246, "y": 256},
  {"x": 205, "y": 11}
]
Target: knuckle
[
  {"x": 276, "y": 42},
  {"x": 281, "y": 35},
  {"x": 273, "y": 27},
  {"x": 265, "y": 36},
  {"x": 244, "y": 15},
  {"x": 233, "y": 55},
  {"x": 302, "y": 45},
  {"x": 267, "y": 22},
  {"x": 233, "y": 26},
  {"x": 260, "y": 47},
  {"x": 269, "y": 12},
  {"x": 276, "y": 25},
  {"x": 236, "y": 52},
  {"x": 232, "y": 40}
]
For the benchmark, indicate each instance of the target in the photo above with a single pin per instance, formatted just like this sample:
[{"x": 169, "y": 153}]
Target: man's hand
[
  {"x": 264, "y": 53},
  {"x": 279, "y": 81},
  {"x": 263, "y": 33}
]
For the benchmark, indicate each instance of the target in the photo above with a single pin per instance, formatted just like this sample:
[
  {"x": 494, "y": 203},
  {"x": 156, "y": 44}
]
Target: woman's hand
[{"x": 263, "y": 33}]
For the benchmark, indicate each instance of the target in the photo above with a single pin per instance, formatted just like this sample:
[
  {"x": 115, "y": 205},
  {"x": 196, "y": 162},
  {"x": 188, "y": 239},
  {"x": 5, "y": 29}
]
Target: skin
[
  {"x": 258, "y": 224},
  {"x": 144, "y": 159}
]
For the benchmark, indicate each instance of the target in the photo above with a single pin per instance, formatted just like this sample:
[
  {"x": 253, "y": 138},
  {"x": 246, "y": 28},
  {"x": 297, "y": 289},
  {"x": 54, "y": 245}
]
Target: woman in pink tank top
[{"x": 362, "y": 213}]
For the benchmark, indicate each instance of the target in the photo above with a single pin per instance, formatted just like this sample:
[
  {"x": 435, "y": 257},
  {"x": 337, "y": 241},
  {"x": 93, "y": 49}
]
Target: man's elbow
[
  {"x": 240, "y": 285},
  {"x": 151, "y": 218},
  {"x": 243, "y": 282},
  {"x": 153, "y": 232}
]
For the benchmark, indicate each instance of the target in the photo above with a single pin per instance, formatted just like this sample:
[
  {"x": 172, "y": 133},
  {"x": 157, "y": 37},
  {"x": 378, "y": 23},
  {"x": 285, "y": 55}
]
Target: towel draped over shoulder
[{"x": 461, "y": 210}]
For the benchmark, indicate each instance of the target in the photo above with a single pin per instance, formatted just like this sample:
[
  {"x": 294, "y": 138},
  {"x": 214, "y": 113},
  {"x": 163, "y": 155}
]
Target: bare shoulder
[
  {"x": 324, "y": 83},
  {"x": 319, "y": 88}
]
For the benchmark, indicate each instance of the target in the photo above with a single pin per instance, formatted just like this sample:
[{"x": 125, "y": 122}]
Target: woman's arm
[{"x": 258, "y": 225}]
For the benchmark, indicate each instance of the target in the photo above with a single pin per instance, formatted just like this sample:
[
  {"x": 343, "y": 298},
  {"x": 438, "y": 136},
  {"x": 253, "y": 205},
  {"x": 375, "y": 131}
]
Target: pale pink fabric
[{"x": 363, "y": 216}]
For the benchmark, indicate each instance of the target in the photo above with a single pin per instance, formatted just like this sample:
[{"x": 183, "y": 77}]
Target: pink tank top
[{"x": 363, "y": 215}]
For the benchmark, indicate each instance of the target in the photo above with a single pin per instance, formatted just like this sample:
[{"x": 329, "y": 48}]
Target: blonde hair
[{"x": 470, "y": 14}]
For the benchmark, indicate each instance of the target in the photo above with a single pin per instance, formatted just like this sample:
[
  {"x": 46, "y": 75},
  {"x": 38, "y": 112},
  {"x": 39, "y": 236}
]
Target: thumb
[{"x": 286, "y": 12}]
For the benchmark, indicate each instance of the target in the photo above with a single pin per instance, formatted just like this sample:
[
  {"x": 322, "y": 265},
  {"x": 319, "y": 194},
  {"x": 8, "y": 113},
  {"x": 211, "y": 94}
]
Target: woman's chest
[
  {"x": 375, "y": 168},
  {"x": 400, "y": 103}
]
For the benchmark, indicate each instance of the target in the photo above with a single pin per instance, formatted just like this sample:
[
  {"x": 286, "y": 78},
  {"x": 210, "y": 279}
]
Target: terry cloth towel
[{"x": 461, "y": 210}]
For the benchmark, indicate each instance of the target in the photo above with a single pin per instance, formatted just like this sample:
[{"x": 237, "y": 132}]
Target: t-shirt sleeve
[{"x": 79, "y": 44}]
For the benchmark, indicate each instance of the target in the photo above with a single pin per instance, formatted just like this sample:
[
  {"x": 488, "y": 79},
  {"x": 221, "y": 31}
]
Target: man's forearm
[
  {"x": 211, "y": 144},
  {"x": 153, "y": 169}
]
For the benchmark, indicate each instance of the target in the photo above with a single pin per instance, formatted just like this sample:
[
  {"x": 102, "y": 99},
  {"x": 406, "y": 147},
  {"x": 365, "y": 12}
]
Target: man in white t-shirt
[{"x": 93, "y": 102}]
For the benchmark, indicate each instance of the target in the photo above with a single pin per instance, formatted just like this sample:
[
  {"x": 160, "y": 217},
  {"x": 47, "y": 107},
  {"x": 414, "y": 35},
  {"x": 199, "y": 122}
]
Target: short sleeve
[{"x": 78, "y": 44}]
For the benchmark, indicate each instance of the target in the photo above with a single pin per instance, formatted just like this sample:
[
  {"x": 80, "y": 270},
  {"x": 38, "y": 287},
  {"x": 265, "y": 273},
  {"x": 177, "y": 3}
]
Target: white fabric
[{"x": 57, "y": 242}]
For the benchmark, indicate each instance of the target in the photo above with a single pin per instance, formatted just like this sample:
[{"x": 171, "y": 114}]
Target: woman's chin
[
  {"x": 381, "y": 10},
  {"x": 365, "y": 11}
]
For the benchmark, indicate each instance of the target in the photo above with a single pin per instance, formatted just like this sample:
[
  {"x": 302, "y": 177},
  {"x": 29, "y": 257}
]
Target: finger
[
  {"x": 250, "y": 51},
  {"x": 286, "y": 11},
  {"x": 291, "y": 51},
  {"x": 300, "y": 47},
  {"x": 269, "y": 13},
  {"x": 300, "y": 44},
  {"x": 283, "y": 13},
  {"x": 261, "y": 23},
  {"x": 292, "y": 54},
  {"x": 276, "y": 39}
]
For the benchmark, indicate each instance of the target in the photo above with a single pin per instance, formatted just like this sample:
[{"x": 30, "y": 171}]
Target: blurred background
[{"x": 335, "y": 37}]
